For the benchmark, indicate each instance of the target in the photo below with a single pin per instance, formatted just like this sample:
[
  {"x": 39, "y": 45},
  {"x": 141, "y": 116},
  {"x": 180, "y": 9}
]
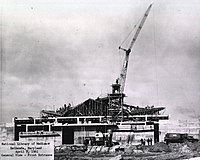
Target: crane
[{"x": 122, "y": 78}]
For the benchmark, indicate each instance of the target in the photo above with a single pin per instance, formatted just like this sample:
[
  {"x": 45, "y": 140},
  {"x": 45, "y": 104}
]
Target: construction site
[{"x": 106, "y": 127}]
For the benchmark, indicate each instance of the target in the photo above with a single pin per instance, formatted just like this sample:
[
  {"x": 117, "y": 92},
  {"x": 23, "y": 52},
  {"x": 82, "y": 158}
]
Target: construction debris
[
  {"x": 159, "y": 147},
  {"x": 158, "y": 151}
]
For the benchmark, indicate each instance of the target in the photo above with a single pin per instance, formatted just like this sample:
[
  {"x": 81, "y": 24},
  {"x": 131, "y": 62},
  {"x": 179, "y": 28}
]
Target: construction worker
[
  {"x": 148, "y": 141},
  {"x": 142, "y": 141}
]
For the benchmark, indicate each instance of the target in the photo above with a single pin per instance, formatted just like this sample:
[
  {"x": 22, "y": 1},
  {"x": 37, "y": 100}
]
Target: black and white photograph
[{"x": 100, "y": 79}]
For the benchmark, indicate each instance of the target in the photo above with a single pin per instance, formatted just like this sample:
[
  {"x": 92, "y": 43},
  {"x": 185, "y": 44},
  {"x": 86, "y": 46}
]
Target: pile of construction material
[{"x": 159, "y": 151}]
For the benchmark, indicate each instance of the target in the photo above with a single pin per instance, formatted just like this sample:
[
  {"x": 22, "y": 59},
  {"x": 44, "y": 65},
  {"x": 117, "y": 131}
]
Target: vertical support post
[
  {"x": 16, "y": 134},
  {"x": 156, "y": 132},
  {"x": 107, "y": 109},
  {"x": 78, "y": 120},
  {"x": 26, "y": 128},
  {"x": 121, "y": 103}
]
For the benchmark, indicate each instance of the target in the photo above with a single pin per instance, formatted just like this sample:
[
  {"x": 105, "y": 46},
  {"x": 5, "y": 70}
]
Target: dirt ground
[{"x": 159, "y": 151}]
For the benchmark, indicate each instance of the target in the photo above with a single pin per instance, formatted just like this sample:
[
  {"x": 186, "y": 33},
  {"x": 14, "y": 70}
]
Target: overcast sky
[{"x": 65, "y": 51}]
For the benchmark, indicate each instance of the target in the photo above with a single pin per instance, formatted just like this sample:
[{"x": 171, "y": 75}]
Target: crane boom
[{"x": 123, "y": 74}]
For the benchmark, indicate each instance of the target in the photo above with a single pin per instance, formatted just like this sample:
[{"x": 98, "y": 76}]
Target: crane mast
[{"x": 122, "y": 78}]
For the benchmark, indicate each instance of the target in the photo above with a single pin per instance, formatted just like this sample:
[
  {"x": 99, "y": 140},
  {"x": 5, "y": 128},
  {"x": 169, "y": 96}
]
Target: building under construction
[{"x": 97, "y": 121}]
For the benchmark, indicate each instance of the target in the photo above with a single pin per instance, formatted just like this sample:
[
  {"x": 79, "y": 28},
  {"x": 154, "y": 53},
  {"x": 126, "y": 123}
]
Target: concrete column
[{"x": 156, "y": 132}]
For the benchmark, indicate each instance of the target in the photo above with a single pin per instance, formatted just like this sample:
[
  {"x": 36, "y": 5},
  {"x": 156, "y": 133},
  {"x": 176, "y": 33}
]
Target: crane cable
[
  {"x": 156, "y": 59},
  {"x": 120, "y": 57},
  {"x": 129, "y": 33}
]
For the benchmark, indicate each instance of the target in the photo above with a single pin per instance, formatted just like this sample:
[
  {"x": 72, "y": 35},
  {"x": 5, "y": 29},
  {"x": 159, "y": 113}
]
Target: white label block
[{"x": 38, "y": 150}]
